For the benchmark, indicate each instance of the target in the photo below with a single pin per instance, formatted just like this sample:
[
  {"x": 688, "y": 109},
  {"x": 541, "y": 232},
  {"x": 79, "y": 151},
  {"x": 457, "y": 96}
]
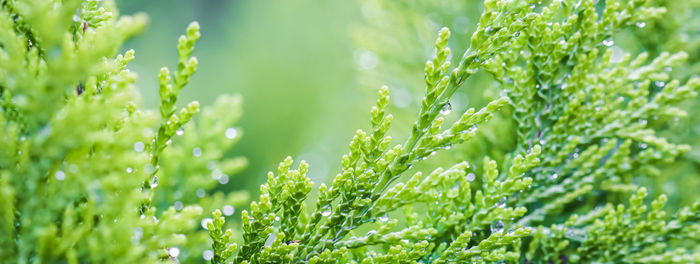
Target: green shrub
[{"x": 88, "y": 176}]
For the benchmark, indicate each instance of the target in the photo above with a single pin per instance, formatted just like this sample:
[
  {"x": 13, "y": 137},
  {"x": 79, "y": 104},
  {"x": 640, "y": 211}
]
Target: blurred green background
[{"x": 292, "y": 61}]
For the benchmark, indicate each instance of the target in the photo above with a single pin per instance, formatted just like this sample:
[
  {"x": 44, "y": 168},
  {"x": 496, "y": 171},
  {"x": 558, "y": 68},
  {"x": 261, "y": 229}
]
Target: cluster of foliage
[{"x": 86, "y": 175}]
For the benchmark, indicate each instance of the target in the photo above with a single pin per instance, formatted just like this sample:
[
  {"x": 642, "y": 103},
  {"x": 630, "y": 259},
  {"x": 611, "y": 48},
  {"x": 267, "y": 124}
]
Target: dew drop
[
  {"x": 270, "y": 239},
  {"x": 178, "y": 205},
  {"x": 526, "y": 53},
  {"x": 608, "y": 42},
  {"x": 553, "y": 176},
  {"x": 501, "y": 202},
  {"x": 497, "y": 226},
  {"x": 504, "y": 93},
  {"x": 180, "y": 131},
  {"x": 208, "y": 255},
  {"x": 154, "y": 183},
  {"x": 197, "y": 152},
  {"x": 174, "y": 252},
  {"x": 231, "y": 133},
  {"x": 384, "y": 218},
  {"x": 471, "y": 176},
  {"x": 659, "y": 83},
  {"x": 206, "y": 221},
  {"x": 641, "y": 24},
  {"x": 617, "y": 55},
  {"x": 642, "y": 121},
  {"x": 60, "y": 175},
  {"x": 201, "y": 193},
  {"x": 129, "y": 170},
  {"x": 139, "y": 146},
  {"x": 228, "y": 210},
  {"x": 446, "y": 108},
  {"x": 327, "y": 212}
]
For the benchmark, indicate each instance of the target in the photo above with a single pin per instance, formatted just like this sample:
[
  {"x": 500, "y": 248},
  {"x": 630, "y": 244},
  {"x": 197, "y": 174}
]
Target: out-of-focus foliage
[{"x": 86, "y": 174}]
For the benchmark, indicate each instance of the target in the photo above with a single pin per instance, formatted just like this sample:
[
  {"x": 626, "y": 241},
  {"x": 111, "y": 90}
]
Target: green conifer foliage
[
  {"x": 580, "y": 112},
  {"x": 88, "y": 176}
]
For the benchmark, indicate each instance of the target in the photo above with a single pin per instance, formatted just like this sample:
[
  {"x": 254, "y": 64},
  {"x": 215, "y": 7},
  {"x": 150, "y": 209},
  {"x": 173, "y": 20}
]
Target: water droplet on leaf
[
  {"x": 327, "y": 212},
  {"x": 553, "y": 176},
  {"x": 608, "y": 42},
  {"x": 270, "y": 239},
  {"x": 205, "y": 222},
  {"x": 526, "y": 53},
  {"x": 497, "y": 226},
  {"x": 208, "y": 255},
  {"x": 154, "y": 183},
  {"x": 174, "y": 252},
  {"x": 446, "y": 108},
  {"x": 501, "y": 202},
  {"x": 471, "y": 176},
  {"x": 617, "y": 55}
]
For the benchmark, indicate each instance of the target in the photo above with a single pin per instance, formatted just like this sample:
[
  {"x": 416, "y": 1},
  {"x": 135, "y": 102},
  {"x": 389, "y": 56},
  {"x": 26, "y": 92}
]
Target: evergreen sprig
[{"x": 79, "y": 161}]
